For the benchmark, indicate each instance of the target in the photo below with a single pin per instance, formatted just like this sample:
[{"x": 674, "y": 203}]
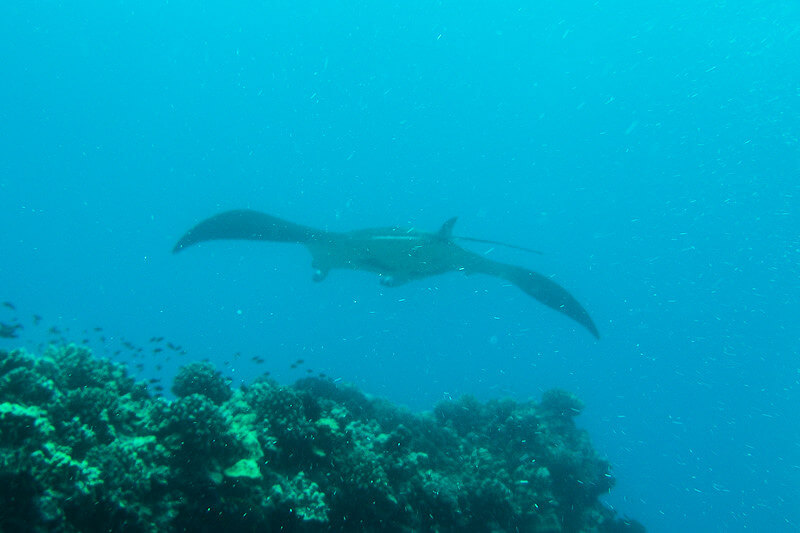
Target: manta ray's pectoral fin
[
  {"x": 537, "y": 286},
  {"x": 249, "y": 225}
]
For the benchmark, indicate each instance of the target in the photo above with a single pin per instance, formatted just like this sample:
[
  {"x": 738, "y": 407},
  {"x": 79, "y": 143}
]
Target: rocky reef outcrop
[{"x": 85, "y": 447}]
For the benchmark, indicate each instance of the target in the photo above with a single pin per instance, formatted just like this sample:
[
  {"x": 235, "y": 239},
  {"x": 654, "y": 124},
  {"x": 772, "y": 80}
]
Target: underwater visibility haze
[{"x": 648, "y": 151}]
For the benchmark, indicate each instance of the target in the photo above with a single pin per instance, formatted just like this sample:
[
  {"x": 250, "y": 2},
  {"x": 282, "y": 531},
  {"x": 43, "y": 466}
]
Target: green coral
[
  {"x": 83, "y": 447},
  {"x": 560, "y": 403},
  {"x": 21, "y": 379},
  {"x": 21, "y": 423},
  {"x": 244, "y": 468},
  {"x": 301, "y": 497},
  {"x": 202, "y": 378}
]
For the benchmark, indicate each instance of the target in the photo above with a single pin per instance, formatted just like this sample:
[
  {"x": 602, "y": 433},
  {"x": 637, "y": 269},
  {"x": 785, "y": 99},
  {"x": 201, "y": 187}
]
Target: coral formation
[
  {"x": 202, "y": 378},
  {"x": 83, "y": 447}
]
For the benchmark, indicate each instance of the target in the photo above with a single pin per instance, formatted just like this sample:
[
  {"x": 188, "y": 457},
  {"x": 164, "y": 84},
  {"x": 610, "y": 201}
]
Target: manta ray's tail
[
  {"x": 539, "y": 287},
  {"x": 249, "y": 225}
]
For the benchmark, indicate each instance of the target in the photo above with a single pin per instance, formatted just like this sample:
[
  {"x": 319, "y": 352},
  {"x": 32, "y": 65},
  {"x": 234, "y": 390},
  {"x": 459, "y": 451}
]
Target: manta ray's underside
[{"x": 397, "y": 255}]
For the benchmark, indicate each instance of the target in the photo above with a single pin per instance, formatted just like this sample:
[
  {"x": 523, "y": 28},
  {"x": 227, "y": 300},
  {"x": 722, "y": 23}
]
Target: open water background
[{"x": 650, "y": 150}]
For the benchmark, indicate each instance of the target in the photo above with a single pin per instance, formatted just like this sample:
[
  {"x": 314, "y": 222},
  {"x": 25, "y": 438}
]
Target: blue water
[{"x": 650, "y": 150}]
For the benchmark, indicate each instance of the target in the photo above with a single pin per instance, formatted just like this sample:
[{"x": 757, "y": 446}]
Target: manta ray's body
[{"x": 397, "y": 255}]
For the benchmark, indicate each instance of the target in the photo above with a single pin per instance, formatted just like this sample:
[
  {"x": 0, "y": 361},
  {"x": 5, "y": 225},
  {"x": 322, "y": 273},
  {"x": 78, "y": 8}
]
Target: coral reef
[{"x": 83, "y": 447}]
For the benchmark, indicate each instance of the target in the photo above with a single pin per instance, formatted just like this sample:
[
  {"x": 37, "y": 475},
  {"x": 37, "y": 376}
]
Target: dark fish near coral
[
  {"x": 397, "y": 255},
  {"x": 9, "y": 331}
]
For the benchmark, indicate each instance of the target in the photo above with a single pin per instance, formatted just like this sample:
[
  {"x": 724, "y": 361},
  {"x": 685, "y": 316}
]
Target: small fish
[
  {"x": 10, "y": 306},
  {"x": 9, "y": 331},
  {"x": 36, "y": 320}
]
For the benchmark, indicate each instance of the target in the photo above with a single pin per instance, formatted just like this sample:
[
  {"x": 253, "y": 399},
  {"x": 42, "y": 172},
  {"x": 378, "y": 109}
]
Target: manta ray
[{"x": 397, "y": 255}]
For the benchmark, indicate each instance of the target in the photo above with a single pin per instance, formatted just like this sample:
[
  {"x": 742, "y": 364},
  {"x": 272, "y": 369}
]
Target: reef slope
[{"x": 84, "y": 447}]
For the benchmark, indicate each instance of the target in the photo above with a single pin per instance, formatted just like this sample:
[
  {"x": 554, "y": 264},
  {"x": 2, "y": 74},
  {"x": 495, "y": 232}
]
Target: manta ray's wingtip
[
  {"x": 180, "y": 245},
  {"x": 581, "y": 316},
  {"x": 186, "y": 240}
]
